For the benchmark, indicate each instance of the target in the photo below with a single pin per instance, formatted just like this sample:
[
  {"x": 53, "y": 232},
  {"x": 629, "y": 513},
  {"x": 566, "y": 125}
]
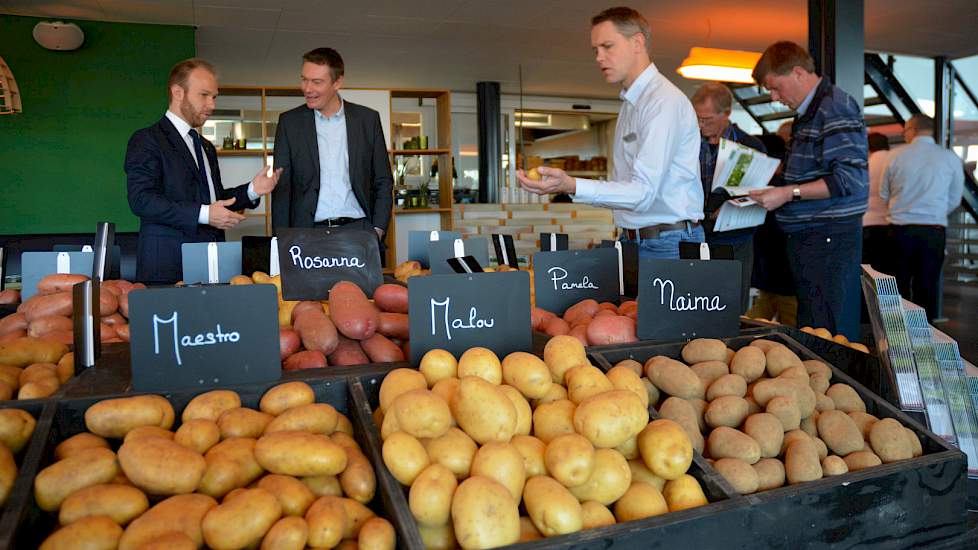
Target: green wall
[{"x": 61, "y": 159}]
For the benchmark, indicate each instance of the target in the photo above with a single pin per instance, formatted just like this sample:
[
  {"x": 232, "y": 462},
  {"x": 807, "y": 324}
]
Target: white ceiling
[{"x": 455, "y": 43}]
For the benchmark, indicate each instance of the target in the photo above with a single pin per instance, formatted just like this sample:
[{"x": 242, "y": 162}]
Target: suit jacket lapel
[
  {"x": 177, "y": 142},
  {"x": 353, "y": 147},
  {"x": 309, "y": 131}
]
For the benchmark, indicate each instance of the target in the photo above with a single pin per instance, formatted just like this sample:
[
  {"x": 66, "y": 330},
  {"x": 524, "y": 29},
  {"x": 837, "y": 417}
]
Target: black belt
[
  {"x": 653, "y": 231},
  {"x": 335, "y": 222}
]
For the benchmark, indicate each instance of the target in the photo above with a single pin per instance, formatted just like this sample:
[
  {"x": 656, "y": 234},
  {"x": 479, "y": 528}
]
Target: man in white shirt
[
  {"x": 922, "y": 185},
  {"x": 174, "y": 182},
  {"x": 654, "y": 188}
]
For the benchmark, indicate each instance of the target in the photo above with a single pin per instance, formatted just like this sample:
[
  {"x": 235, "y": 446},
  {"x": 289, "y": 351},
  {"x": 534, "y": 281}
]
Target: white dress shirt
[
  {"x": 656, "y": 175},
  {"x": 922, "y": 184},
  {"x": 876, "y": 211},
  {"x": 183, "y": 128},
  {"x": 336, "y": 198}
]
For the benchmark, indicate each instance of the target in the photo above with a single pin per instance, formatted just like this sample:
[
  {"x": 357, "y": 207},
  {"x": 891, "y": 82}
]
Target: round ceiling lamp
[{"x": 58, "y": 35}]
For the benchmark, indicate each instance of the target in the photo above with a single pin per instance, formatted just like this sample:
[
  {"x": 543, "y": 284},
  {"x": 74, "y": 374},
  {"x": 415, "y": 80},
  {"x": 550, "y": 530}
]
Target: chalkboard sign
[
  {"x": 563, "y": 278},
  {"x": 258, "y": 254},
  {"x": 440, "y": 251},
  {"x": 35, "y": 266},
  {"x": 418, "y": 244},
  {"x": 313, "y": 260},
  {"x": 210, "y": 262},
  {"x": 457, "y": 312},
  {"x": 552, "y": 242},
  {"x": 688, "y": 299},
  {"x": 203, "y": 336}
]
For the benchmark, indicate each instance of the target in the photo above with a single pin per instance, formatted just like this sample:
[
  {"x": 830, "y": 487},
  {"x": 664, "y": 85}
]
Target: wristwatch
[{"x": 796, "y": 194}]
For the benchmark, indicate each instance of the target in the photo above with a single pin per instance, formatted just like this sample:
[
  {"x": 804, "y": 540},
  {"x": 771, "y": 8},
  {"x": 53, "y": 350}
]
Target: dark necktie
[{"x": 201, "y": 168}]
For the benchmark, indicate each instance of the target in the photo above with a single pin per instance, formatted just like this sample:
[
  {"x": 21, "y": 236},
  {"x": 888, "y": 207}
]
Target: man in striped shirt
[{"x": 825, "y": 191}]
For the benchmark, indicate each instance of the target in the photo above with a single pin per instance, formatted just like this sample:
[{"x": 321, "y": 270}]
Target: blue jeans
[
  {"x": 824, "y": 260},
  {"x": 666, "y": 246}
]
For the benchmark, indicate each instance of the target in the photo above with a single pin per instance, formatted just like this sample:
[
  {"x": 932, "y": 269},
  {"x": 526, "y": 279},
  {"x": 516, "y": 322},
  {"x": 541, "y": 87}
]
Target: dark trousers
[
  {"x": 918, "y": 258},
  {"x": 878, "y": 247},
  {"x": 743, "y": 251},
  {"x": 824, "y": 262}
]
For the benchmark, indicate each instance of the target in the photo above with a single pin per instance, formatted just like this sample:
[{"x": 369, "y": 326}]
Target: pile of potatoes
[
  {"x": 33, "y": 368},
  {"x": 764, "y": 417},
  {"x": 16, "y": 428},
  {"x": 838, "y": 338},
  {"x": 495, "y": 452},
  {"x": 592, "y": 323},
  {"x": 47, "y": 314},
  {"x": 288, "y": 475},
  {"x": 347, "y": 329}
]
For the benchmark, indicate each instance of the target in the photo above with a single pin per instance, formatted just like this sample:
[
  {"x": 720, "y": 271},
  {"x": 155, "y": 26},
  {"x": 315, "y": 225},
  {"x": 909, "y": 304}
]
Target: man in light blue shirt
[
  {"x": 921, "y": 186},
  {"x": 654, "y": 188}
]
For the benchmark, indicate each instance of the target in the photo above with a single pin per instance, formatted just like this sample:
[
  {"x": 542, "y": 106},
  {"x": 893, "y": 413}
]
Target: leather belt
[
  {"x": 653, "y": 231},
  {"x": 335, "y": 222}
]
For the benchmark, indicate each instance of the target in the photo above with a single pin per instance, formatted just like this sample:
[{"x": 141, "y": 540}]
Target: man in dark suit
[
  {"x": 334, "y": 157},
  {"x": 174, "y": 182}
]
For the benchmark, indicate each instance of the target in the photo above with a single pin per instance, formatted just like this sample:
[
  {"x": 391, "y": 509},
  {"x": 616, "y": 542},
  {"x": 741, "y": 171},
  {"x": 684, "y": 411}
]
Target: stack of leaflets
[
  {"x": 929, "y": 370},
  {"x": 961, "y": 405},
  {"x": 740, "y": 169}
]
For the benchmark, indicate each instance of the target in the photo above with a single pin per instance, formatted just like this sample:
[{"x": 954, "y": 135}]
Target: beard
[{"x": 191, "y": 115}]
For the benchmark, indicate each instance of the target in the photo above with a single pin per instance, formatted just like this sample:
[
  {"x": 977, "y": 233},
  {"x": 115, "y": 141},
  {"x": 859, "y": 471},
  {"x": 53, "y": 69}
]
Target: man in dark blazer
[
  {"x": 336, "y": 169},
  {"x": 174, "y": 181}
]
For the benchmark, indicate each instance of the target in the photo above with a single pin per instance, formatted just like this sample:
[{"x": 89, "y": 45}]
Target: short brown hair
[
  {"x": 719, "y": 93},
  {"x": 779, "y": 58},
  {"x": 921, "y": 123},
  {"x": 628, "y": 22},
  {"x": 181, "y": 72},
  {"x": 326, "y": 56}
]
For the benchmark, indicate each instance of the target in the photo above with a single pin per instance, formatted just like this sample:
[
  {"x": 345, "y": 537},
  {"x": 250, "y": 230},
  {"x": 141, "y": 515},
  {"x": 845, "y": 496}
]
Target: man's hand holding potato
[{"x": 545, "y": 181}]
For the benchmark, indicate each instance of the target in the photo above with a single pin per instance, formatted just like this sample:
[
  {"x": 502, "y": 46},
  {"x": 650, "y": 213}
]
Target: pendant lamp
[{"x": 719, "y": 64}]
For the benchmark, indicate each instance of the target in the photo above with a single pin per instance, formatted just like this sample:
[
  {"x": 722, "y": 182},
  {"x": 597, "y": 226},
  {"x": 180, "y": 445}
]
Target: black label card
[
  {"x": 552, "y": 242},
  {"x": 505, "y": 250},
  {"x": 561, "y": 279},
  {"x": 203, "y": 336},
  {"x": 311, "y": 261},
  {"x": 629, "y": 264},
  {"x": 458, "y": 312},
  {"x": 440, "y": 251},
  {"x": 680, "y": 299},
  {"x": 256, "y": 254}
]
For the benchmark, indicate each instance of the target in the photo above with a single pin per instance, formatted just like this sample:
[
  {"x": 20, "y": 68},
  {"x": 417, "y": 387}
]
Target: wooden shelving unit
[
  {"x": 417, "y": 152},
  {"x": 242, "y": 153}
]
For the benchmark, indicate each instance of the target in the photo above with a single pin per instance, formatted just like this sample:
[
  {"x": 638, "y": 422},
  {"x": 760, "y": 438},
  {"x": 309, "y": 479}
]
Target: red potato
[
  {"x": 65, "y": 337},
  {"x": 606, "y": 330},
  {"x": 108, "y": 304},
  {"x": 59, "y": 282},
  {"x": 38, "y": 306},
  {"x": 107, "y": 332},
  {"x": 348, "y": 352},
  {"x": 12, "y": 322},
  {"x": 392, "y": 298},
  {"x": 44, "y": 325},
  {"x": 394, "y": 325},
  {"x": 307, "y": 359},
  {"x": 114, "y": 319},
  {"x": 120, "y": 287},
  {"x": 627, "y": 306},
  {"x": 605, "y": 313},
  {"x": 406, "y": 348},
  {"x": 584, "y": 308},
  {"x": 316, "y": 331},
  {"x": 288, "y": 342},
  {"x": 556, "y": 327},
  {"x": 124, "y": 305},
  {"x": 123, "y": 332},
  {"x": 12, "y": 335},
  {"x": 580, "y": 332},
  {"x": 581, "y": 322},
  {"x": 608, "y": 306},
  {"x": 9, "y": 296},
  {"x": 111, "y": 289},
  {"x": 381, "y": 350},
  {"x": 303, "y": 307},
  {"x": 354, "y": 316},
  {"x": 538, "y": 317}
]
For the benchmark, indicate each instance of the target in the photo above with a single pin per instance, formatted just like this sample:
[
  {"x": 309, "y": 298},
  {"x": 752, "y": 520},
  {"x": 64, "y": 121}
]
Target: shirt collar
[
  {"x": 633, "y": 92},
  {"x": 924, "y": 139},
  {"x": 808, "y": 98},
  {"x": 335, "y": 116},
  {"x": 180, "y": 124}
]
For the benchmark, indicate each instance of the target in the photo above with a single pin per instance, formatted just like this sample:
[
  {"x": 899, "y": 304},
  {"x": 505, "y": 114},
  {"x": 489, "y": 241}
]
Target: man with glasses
[
  {"x": 922, "y": 184},
  {"x": 713, "y": 103},
  {"x": 826, "y": 183}
]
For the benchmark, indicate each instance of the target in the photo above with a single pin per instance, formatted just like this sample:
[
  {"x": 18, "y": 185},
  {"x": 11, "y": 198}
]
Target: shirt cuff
[
  {"x": 586, "y": 190},
  {"x": 252, "y": 196},
  {"x": 205, "y": 212}
]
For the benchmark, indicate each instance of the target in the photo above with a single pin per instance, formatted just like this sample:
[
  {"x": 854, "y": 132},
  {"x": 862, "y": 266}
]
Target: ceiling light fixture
[
  {"x": 9, "y": 93},
  {"x": 58, "y": 35},
  {"x": 719, "y": 64}
]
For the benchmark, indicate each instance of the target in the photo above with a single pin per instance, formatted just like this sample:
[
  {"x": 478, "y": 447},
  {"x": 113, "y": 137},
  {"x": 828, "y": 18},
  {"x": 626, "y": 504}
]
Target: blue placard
[
  {"x": 418, "y": 244},
  {"x": 440, "y": 251},
  {"x": 35, "y": 266}
]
